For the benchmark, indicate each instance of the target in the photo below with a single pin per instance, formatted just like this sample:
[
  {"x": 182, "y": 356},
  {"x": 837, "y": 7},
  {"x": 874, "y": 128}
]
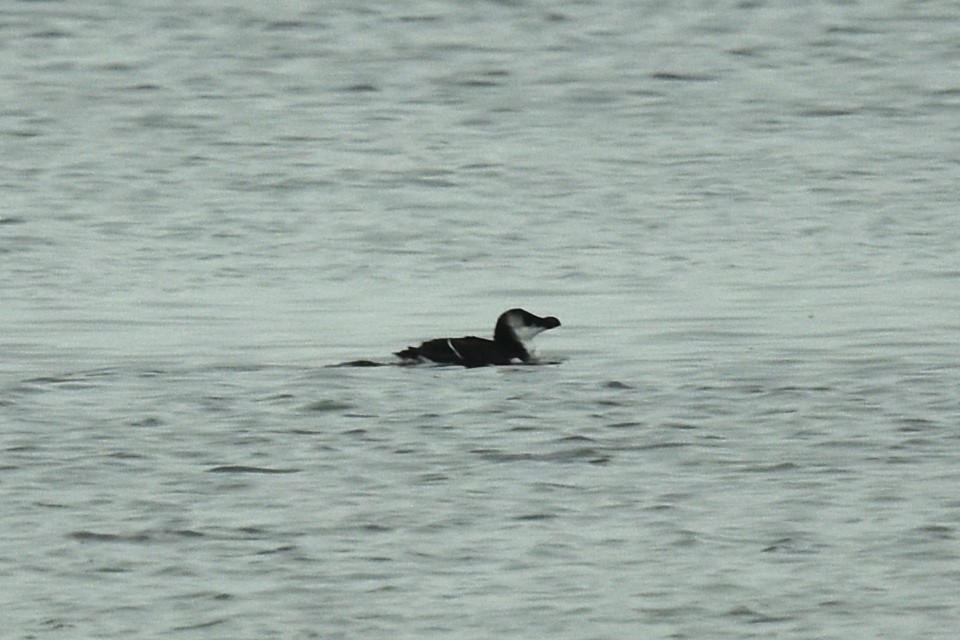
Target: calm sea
[{"x": 744, "y": 213}]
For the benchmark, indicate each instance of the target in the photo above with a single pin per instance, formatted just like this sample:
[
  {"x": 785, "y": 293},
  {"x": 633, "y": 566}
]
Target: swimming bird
[{"x": 510, "y": 345}]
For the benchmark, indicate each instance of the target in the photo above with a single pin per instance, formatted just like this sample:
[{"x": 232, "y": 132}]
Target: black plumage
[{"x": 514, "y": 329}]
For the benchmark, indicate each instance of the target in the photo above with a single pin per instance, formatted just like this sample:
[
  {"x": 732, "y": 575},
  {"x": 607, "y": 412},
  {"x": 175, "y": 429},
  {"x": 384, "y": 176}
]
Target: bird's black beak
[{"x": 550, "y": 322}]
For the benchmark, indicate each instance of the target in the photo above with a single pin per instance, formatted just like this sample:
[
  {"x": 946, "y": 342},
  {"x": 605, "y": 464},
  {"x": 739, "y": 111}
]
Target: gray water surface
[{"x": 744, "y": 214}]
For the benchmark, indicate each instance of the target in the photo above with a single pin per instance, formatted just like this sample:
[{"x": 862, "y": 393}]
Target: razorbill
[{"x": 511, "y": 343}]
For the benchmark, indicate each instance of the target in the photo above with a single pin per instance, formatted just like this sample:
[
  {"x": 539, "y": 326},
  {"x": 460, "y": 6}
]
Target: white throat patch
[{"x": 524, "y": 332}]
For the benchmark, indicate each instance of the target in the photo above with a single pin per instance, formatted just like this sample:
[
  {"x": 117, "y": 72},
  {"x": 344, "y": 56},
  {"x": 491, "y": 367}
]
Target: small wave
[
  {"x": 327, "y": 406},
  {"x": 139, "y": 537},
  {"x": 239, "y": 468},
  {"x": 93, "y": 536}
]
